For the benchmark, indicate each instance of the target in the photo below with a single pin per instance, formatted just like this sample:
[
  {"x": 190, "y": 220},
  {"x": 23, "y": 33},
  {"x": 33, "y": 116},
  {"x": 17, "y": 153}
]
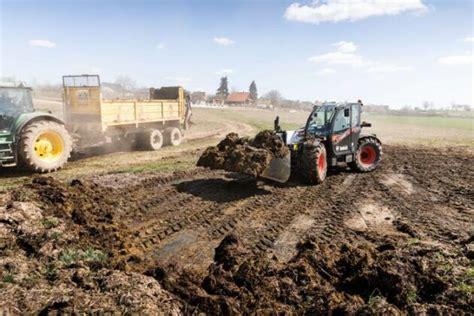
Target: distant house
[
  {"x": 239, "y": 98},
  {"x": 217, "y": 101}
]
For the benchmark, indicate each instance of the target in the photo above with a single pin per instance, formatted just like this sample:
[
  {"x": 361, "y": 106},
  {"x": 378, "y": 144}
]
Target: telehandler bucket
[{"x": 279, "y": 169}]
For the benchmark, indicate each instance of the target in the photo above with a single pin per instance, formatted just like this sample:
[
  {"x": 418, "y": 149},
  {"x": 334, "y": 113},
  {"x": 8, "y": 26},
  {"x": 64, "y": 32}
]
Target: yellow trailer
[{"x": 149, "y": 123}]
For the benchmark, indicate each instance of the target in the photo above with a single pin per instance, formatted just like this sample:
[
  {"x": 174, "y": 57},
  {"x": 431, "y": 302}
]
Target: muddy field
[{"x": 397, "y": 240}]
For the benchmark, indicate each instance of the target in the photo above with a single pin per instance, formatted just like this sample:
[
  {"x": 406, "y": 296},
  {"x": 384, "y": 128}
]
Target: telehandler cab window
[
  {"x": 342, "y": 121},
  {"x": 321, "y": 118}
]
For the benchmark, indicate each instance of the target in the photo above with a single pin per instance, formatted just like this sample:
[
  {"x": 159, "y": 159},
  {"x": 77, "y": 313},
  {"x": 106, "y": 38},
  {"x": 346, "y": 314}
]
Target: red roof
[{"x": 238, "y": 97}]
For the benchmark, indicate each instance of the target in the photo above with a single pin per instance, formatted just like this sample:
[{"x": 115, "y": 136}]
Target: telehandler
[{"x": 331, "y": 137}]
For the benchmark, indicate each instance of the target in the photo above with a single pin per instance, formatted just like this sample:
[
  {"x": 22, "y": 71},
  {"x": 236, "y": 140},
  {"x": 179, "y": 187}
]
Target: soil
[
  {"x": 244, "y": 155},
  {"x": 399, "y": 240}
]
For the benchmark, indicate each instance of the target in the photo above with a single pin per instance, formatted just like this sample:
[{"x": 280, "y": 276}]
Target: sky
[{"x": 393, "y": 52}]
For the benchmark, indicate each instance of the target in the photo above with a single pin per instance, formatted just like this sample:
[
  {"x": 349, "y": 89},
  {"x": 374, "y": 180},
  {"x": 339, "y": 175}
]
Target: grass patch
[
  {"x": 375, "y": 300},
  {"x": 50, "y": 222},
  {"x": 8, "y": 278},
  {"x": 162, "y": 165},
  {"x": 438, "y": 122},
  {"x": 70, "y": 257},
  {"x": 465, "y": 288},
  {"x": 412, "y": 296}
]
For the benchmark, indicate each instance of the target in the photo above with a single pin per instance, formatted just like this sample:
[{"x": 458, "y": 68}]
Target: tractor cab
[{"x": 13, "y": 102}]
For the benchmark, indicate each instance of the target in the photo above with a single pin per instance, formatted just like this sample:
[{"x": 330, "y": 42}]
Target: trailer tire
[
  {"x": 368, "y": 154},
  {"x": 173, "y": 136},
  {"x": 44, "y": 146},
  {"x": 312, "y": 164},
  {"x": 151, "y": 139}
]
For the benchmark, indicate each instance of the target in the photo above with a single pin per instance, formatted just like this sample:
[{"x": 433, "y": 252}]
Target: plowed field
[{"x": 397, "y": 240}]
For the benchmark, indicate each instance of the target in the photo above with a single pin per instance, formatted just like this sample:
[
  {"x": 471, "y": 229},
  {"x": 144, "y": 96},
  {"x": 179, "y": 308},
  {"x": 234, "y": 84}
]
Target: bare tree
[
  {"x": 126, "y": 83},
  {"x": 274, "y": 96}
]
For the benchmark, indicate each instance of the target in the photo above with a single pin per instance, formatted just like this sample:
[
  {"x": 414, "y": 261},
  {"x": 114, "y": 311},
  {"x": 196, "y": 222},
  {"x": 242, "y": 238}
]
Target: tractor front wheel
[
  {"x": 368, "y": 155},
  {"x": 313, "y": 164},
  {"x": 44, "y": 146}
]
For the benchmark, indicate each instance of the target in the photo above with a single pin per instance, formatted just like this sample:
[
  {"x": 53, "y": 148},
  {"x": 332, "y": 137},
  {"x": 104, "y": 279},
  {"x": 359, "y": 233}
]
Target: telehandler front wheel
[
  {"x": 368, "y": 155},
  {"x": 44, "y": 146},
  {"x": 313, "y": 164}
]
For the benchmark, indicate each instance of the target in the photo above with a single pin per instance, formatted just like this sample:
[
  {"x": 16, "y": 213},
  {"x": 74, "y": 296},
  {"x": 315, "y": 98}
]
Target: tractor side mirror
[
  {"x": 365, "y": 124},
  {"x": 347, "y": 113}
]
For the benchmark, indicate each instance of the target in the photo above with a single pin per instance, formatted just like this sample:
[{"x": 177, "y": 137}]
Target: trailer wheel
[
  {"x": 173, "y": 136},
  {"x": 312, "y": 164},
  {"x": 151, "y": 139},
  {"x": 44, "y": 146},
  {"x": 368, "y": 154}
]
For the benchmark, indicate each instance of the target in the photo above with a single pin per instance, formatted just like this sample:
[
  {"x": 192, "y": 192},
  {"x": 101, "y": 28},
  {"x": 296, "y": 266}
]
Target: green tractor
[{"x": 37, "y": 141}]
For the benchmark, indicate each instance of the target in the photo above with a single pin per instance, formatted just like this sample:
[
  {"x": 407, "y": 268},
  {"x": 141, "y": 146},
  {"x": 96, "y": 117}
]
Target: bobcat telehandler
[
  {"x": 331, "y": 137},
  {"x": 36, "y": 140}
]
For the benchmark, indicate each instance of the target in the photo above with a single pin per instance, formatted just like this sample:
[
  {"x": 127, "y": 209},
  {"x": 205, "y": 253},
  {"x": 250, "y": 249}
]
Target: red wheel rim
[
  {"x": 322, "y": 163},
  {"x": 368, "y": 155}
]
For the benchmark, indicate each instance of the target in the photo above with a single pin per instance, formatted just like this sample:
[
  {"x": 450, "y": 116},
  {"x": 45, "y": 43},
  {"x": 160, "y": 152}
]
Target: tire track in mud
[
  {"x": 434, "y": 194},
  {"x": 327, "y": 219}
]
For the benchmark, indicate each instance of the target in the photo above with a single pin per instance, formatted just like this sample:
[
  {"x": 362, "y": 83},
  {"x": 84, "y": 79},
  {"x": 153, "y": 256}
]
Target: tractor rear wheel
[
  {"x": 313, "y": 164},
  {"x": 368, "y": 154},
  {"x": 44, "y": 146}
]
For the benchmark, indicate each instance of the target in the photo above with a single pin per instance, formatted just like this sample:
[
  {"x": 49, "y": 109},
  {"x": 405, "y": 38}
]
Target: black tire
[
  {"x": 150, "y": 140},
  {"x": 312, "y": 164},
  {"x": 368, "y": 154},
  {"x": 44, "y": 146},
  {"x": 173, "y": 136}
]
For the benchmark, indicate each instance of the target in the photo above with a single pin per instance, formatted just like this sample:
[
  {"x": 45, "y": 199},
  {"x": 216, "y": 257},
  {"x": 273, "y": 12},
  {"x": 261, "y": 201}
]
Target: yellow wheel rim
[{"x": 49, "y": 146}]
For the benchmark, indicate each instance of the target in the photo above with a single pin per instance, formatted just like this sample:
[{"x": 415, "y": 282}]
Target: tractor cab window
[
  {"x": 14, "y": 101},
  {"x": 342, "y": 121},
  {"x": 320, "y": 120}
]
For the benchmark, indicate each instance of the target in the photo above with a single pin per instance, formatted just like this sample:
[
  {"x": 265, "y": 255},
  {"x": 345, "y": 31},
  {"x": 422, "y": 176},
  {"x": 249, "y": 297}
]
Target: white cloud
[
  {"x": 345, "y": 56},
  {"x": 388, "y": 68},
  {"x": 227, "y": 71},
  {"x": 326, "y": 72},
  {"x": 455, "y": 60},
  {"x": 338, "y": 58},
  {"x": 42, "y": 43},
  {"x": 344, "y": 10},
  {"x": 345, "y": 47},
  {"x": 223, "y": 41},
  {"x": 469, "y": 39}
]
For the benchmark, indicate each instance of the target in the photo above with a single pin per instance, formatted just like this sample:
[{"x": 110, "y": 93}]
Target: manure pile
[{"x": 244, "y": 155}]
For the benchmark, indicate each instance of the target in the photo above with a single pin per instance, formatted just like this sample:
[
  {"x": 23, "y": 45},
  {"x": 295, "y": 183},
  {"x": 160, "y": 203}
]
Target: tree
[
  {"x": 253, "y": 91},
  {"x": 223, "y": 90},
  {"x": 274, "y": 96},
  {"x": 126, "y": 83}
]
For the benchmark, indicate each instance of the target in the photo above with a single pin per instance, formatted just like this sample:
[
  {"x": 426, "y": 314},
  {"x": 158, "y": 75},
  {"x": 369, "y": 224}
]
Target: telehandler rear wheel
[
  {"x": 368, "y": 155},
  {"x": 313, "y": 164},
  {"x": 44, "y": 146}
]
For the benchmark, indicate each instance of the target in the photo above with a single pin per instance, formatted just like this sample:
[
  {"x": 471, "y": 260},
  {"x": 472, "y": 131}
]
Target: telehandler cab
[{"x": 332, "y": 136}]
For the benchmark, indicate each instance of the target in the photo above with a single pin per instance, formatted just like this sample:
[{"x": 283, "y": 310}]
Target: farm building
[{"x": 239, "y": 98}]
